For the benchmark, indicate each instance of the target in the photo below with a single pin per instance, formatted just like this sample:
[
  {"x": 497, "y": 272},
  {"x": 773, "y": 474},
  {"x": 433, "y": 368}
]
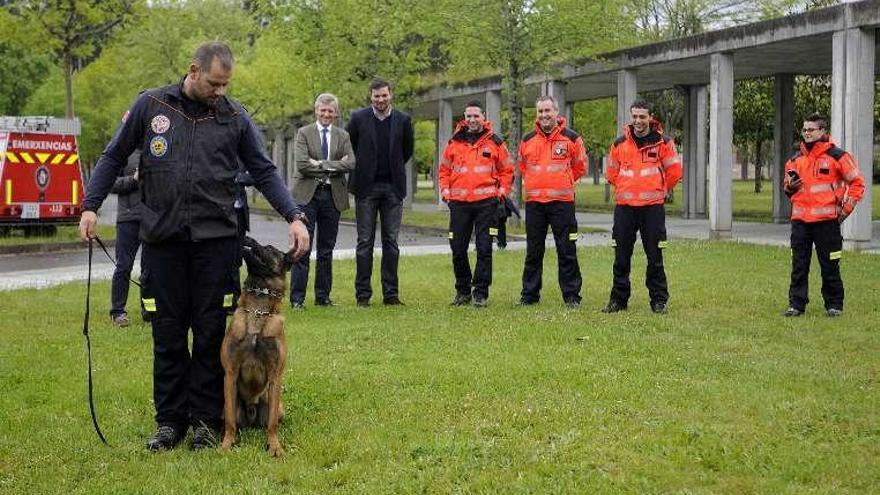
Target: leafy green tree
[
  {"x": 154, "y": 50},
  {"x": 72, "y": 31},
  {"x": 753, "y": 119},
  {"x": 521, "y": 38}
]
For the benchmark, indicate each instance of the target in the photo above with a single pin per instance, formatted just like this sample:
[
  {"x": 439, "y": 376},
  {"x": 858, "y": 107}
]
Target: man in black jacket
[
  {"x": 383, "y": 140},
  {"x": 128, "y": 221},
  {"x": 193, "y": 138}
]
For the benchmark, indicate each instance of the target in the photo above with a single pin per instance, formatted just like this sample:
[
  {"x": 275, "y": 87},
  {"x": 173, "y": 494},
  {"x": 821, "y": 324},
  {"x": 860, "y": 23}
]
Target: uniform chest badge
[
  {"x": 158, "y": 146},
  {"x": 560, "y": 150},
  {"x": 160, "y": 124},
  {"x": 486, "y": 152}
]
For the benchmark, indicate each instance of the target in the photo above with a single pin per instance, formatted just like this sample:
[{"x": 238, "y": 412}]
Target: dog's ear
[{"x": 289, "y": 260}]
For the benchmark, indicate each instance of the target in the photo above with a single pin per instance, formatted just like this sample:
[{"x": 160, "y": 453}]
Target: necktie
[{"x": 325, "y": 149}]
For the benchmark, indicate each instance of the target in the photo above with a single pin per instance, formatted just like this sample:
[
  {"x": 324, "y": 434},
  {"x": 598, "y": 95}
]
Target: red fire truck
[{"x": 41, "y": 182}]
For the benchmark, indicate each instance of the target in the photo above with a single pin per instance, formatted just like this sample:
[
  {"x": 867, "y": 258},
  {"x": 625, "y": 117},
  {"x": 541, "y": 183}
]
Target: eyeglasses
[{"x": 810, "y": 129}]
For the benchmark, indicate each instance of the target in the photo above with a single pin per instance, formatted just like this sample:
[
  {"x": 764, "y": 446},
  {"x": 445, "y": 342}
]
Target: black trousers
[
  {"x": 127, "y": 245},
  {"x": 559, "y": 217},
  {"x": 189, "y": 285},
  {"x": 465, "y": 218},
  {"x": 383, "y": 202},
  {"x": 829, "y": 244},
  {"x": 323, "y": 215},
  {"x": 650, "y": 222}
]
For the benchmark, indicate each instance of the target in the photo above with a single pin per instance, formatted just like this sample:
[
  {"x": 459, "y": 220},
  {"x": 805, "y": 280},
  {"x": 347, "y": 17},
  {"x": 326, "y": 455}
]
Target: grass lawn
[
  {"x": 722, "y": 395},
  {"x": 66, "y": 233},
  {"x": 747, "y": 205}
]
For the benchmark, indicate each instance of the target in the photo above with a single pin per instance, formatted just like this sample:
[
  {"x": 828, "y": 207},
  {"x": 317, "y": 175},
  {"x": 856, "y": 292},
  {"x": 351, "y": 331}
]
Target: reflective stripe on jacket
[
  {"x": 644, "y": 175},
  {"x": 551, "y": 163},
  {"x": 473, "y": 172},
  {"x": 830, "y": 179}
]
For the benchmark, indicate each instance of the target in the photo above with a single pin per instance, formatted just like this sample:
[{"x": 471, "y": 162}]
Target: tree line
[{"x": 90, "y": 59}]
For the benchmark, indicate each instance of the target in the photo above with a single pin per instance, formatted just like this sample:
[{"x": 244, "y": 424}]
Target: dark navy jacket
[{"x": 188, "y": 167}]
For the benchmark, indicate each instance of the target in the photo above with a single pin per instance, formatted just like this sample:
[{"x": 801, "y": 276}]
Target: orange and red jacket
[
  {"x": 643, "y": 176},
  {"x": 830, "y": 180},
  {"x": 473, "y": 172},
  {"x": 551, "y": 164}
]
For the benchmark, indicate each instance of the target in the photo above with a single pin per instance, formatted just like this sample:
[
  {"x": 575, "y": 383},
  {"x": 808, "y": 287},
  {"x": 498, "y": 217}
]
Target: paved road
[{"x": 43, "y": 270}]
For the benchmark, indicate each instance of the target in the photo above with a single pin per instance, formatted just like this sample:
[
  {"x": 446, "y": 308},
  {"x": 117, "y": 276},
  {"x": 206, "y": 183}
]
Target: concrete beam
[
  {"x": 694, "y": 152},
  {"x": 783, "y": 134},
  {"x": 721, "y": 145},
  {"x": 627, "y": 89},
  {"x": 858, "y": 127},
  {"x": 444, "y": 134}
]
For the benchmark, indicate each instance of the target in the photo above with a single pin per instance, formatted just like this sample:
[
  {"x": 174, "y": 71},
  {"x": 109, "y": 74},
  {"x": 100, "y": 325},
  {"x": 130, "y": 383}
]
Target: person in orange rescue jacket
[
  {"x": 824, "y": 184},
  {"x": 475, "y": 174},
  {"x": 551, "y": 159},
  {"x": 644, "y": 168}
]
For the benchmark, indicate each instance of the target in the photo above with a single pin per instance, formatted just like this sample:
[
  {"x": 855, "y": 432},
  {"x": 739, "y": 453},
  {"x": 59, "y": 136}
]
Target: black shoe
[
  {"x": 834, "y": 312},
  {"x": 613, "y": 307},
  {"x": 204, "y": 437},
  {"x": 297, "y": 305},
  {"x": 165, "y": 438},
  {"x": 324, "y": 302},
  {"x": 392, "y": 301},
  {"x": 659, "y": 308},
  {"x": 572, "y": 303},
  {"x": 461, "y": 300},
  {"x": 792, "y": 312},
  {"x": 481, "y": 302},
  {"x": 363, "y": 302},
  {"x": 527, "y": 302}
]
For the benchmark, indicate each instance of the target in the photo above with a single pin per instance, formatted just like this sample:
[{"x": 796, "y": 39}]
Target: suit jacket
[
  {"x": 306, "y": 176},
  {"x": 362, "y": 130}
]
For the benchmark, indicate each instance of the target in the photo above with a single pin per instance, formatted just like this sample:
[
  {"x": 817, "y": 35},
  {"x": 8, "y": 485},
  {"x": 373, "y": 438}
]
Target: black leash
[
  {"x": 112, "y": 259},
  {"x": 89, "y": 344}
]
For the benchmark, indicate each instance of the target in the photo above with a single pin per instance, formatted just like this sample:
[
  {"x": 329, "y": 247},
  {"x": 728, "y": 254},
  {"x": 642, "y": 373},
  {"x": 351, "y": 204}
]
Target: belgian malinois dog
[{"x": 254, "y": 348}]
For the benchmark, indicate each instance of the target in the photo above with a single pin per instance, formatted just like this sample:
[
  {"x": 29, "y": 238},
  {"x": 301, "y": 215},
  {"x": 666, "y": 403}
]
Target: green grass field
[
  {"x": 723, "y": 395},
  {"x": 747, "y": 205},
  {"x": 66, "y": 233}
]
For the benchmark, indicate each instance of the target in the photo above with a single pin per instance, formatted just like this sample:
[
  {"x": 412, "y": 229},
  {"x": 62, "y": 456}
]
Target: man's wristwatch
[{"x": 298, "y": 215}]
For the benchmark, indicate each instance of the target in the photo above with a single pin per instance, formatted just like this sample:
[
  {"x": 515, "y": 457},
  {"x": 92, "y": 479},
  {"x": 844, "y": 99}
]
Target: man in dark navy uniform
[{"x": 193, "y": 138}]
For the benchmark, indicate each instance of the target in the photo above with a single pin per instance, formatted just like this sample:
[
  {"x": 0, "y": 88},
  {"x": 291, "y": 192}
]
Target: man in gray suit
[{"x": 323, "y": 156}]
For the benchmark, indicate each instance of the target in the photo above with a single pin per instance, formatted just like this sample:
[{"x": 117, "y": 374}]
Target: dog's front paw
[
  {"x": 228, "y": 440},
  {"x": 274, "y": 448}
]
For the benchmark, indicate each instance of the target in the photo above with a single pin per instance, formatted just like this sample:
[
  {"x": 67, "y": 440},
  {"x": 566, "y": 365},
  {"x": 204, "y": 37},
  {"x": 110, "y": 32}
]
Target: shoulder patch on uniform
[
  {"x": 794, "y": 156},
  {"x": 497, "y": 139},
  {"x": 666, "y": 138},
  {"x": 619, "y": 140},
  {"x": 835, "y": 152},
  {"x": 528, "y": 136},
  {"x": 570, "y": 134}
]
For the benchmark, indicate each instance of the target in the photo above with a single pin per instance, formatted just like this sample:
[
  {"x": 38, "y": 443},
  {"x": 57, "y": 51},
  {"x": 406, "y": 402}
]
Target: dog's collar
[
  {"x": 259, "y": 313},
  {"x": 264, "y": 291}
]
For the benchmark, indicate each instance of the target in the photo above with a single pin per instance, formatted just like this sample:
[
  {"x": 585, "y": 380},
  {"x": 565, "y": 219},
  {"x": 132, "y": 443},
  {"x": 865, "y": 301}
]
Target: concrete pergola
[{"x": 839, "y": 40}]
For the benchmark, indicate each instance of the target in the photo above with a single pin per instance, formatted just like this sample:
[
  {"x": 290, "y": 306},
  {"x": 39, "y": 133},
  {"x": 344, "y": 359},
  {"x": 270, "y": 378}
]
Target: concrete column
[
  {"x": 721, "y": 145},
  {"x": 493, "y": 110},
  {"x": 626, "y": 94},
  {"x": 783, "y": 135},
  {"x": 279, "y": 148},
  {"x": 694, "y": 152},
  {"x": 556, "y": 89},
  {"x": 444, "y": 134},
  {"x": 858, "y": 125},
  {"x": 290, "y": 164},
  {"x": 838, "y": 85}
]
